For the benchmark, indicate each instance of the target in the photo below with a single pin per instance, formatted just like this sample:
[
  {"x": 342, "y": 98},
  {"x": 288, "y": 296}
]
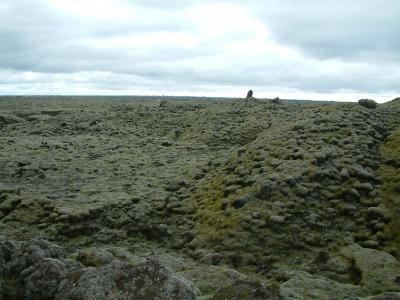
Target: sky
[{"x": 310, "y": 49}]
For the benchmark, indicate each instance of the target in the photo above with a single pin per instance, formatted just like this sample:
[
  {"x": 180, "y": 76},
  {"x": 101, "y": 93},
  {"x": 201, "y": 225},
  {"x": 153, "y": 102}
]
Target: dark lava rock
[
  {"x": 28, "y": 270},
  {"x": 40, "y": 281},
  {"x": 249, "y": 94},
  {"x": 266, "y": 189},
  {"x": 32, "y": 252},
  {"x": 6, "y": 249},
  {"x": 94, "y": 257},
  {"x": 276, "y": 100},
  {"x": 36, "y": 269},
  {"x": 118, "y": 280},
  {"x": 240, "y": 202}
]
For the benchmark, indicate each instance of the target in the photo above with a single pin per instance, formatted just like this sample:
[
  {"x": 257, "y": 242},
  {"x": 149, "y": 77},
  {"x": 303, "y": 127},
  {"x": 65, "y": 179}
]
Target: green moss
[
  {"x": 391, "y": 149},
  {"x": 246, "y": 290},
  {"x": 30, "y": 216},
  {"x": 390, "y": 190},
  {"x": 205, "y": 288},
  {"x": 213, "y": 223},
  {"x": 336, "y": 135}
]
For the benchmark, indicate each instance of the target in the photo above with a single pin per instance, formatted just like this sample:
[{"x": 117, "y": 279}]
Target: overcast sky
[{"x": 309, "y": 49}]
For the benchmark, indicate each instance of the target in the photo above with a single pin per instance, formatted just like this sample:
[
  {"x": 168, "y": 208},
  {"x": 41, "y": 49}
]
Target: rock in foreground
[
  {"x": 37, "y": 269},
  {"x": 118, "y": 280}
]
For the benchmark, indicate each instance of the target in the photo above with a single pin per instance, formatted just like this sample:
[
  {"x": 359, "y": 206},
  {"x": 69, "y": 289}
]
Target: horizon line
[{"x": 169, "y": 96}]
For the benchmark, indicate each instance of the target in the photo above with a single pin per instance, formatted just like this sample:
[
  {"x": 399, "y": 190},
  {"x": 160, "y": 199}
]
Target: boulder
[
  {"x": 9, "y": 119},
  {"x": 266, "y": 189},
  {"x": 118, "y": 280},
  {"x": 7, "y": 248},
  {"x": 368, "y": 103},
  {"x": 246, "y": 290},
  {"x": 9, "y": 204},
  {"x": 94, "y": 257},
  {"x": 378, "y": 271},
  {"x": 303, "y": 285},
  {"x": 37, "y": 269},
  {"x": 32, "y": 252},
  {"x": 174, "y": 185},
  {"x": 378, "y": 213},
  {"x": 41, "y": 280}
]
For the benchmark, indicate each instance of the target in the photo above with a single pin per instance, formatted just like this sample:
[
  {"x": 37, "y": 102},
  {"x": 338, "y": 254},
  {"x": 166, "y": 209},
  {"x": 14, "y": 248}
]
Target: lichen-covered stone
[
  {"x": 247, "y": 290},
  {"x": 41, "y": 280},
  {"x": 94, "y": 257},
  {"x": 118, "y": 280},
  {"x": 378, "y": 270},
  {"x": 302, "y": 286},
  {"x": 31, "y": 252}
]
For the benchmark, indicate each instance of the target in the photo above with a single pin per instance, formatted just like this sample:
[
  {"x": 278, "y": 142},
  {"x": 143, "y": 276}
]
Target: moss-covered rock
[
  {"x": 247, "y": 290},
  {"x": 389, "y": 174}
]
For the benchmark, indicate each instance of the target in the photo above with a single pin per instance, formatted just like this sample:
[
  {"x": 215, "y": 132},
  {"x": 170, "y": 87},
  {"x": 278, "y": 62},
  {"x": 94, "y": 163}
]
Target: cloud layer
[{"x": 309, "y": 49}]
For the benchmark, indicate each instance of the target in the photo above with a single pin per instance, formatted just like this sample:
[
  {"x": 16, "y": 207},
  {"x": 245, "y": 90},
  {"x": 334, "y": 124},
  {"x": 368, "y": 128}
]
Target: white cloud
[{"x": 96, "y": 10}]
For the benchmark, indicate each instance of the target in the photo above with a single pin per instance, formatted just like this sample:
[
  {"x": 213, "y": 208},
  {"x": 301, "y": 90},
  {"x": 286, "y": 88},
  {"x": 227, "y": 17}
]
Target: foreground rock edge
[{"x": 38, "y": 269}]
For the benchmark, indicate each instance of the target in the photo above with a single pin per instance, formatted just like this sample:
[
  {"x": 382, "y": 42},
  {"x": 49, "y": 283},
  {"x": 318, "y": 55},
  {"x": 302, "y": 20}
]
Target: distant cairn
[
  {"x": 249, "y": 95},
  {"x": 276, "y": 100},
  {"x": 368, "y": 103}
]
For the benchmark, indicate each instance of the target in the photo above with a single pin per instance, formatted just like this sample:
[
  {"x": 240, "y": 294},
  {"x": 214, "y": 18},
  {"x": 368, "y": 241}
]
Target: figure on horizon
[{"x": 249, "y": 95}]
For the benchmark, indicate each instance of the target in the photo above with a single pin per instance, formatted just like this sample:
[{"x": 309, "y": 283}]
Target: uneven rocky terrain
[{"x": 122, "y": 198}]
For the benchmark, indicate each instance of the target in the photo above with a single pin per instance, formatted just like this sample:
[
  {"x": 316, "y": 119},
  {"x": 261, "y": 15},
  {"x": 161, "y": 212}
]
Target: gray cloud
[
  {"x": 201, "y": 46},
  {"x": 360, "y": 30}
]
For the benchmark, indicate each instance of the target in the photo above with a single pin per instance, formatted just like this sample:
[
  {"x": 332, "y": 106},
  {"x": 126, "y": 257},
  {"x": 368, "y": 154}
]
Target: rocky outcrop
[
  {"x": 378, "y": 271},
  {"x": 295, "y": 180},
  {"x": 304, "y": 286},
  {"x": 249, "y": 95},
  {"x": 276, "y": 100},
  {"x": 371, "y": 272},
  {"x": 37, "y": 269},
  {"x": 247, "y": 290},
  {"x": 118, "y": 280},
  {"x": 41, "y": 280},
  {"x": 368, "y": 103},
  {"x": 9, "y": 119},
  {"x": 395, "y": 103}
]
